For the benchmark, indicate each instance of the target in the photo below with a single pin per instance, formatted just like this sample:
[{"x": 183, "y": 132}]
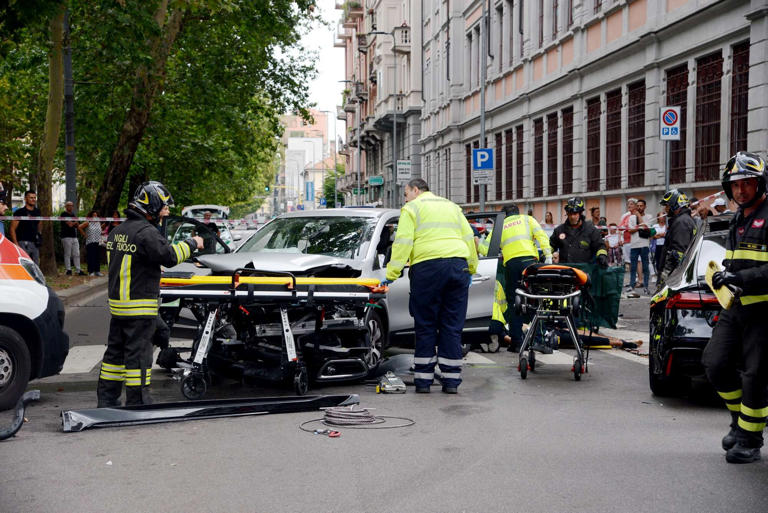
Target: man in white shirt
[
  {"x": 623, "y": 224},
  {"x": 639, "y": 226}
]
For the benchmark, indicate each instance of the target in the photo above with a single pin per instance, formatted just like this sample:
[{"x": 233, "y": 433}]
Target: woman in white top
[
  {"x": 92, "y": 242},
  {"x": 658, "y": 239}
]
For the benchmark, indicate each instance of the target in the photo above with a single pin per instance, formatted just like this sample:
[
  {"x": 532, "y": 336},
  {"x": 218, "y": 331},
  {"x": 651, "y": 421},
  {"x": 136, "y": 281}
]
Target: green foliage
[
  {"x": 330, "y": 184},
  {"x": 214, "y": 130}
]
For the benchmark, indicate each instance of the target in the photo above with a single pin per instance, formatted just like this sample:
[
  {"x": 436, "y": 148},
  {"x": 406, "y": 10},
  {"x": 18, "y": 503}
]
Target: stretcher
[
  {"x": 257, "y": 326},
  {"x": 553, "y": 294}
]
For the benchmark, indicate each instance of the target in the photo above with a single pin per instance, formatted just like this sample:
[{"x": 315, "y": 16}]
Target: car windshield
[
  {"x": 180, "y": 232},
  {"x": 712, "y": 248},
  {"x": 342, "y": 237}
]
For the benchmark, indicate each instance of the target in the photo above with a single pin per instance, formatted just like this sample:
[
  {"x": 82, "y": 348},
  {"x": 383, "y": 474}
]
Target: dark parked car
[{"x": 684, "y": 313}]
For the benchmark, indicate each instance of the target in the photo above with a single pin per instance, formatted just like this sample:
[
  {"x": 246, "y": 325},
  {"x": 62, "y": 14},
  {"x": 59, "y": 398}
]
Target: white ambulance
[{"x": 32, "y": 339}]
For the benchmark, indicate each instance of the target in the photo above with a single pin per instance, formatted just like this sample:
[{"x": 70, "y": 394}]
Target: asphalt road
[{"x": 547, "y": 444}]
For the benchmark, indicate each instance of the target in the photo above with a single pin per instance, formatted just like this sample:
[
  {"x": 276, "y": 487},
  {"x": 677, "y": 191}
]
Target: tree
[{"x": 329, "y": 187}]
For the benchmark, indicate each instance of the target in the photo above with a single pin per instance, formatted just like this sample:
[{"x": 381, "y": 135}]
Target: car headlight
[{"x": 33, "y": 270}]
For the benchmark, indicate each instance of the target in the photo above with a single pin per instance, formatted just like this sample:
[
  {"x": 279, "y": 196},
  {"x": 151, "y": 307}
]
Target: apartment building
[
  {"x": 574, "y": 89},
  {"x": 305, "y": 146},
  {"x": 382, "y": 99}
]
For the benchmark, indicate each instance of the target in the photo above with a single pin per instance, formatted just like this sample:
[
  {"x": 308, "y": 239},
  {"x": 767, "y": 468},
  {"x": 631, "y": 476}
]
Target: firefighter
[
  {"x": 681, "y": 229},
  {"x": 576, "y": 241},
  {"x": 436, "y": 238},
  {"x": 518, "y": 250},
  {"x": 135, "y": 252},
  {"x": 736, "y": 357}
]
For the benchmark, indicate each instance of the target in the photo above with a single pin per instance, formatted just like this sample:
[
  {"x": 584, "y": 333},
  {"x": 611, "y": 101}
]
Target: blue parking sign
[{"x": 482, "y": 159}]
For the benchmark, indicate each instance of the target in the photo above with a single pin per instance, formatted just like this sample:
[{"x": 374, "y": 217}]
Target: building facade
[{"x": 573, "y": 94}]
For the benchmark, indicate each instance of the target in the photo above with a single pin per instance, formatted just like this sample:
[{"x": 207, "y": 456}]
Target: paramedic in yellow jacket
[
  {"x": 435, "y": 237},
  {"x": 518, "y": 249}
]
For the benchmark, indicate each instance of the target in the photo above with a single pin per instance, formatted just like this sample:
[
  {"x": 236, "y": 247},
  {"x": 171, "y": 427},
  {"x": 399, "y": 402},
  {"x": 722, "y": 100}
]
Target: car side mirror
[{"x": 237, "y": 236}]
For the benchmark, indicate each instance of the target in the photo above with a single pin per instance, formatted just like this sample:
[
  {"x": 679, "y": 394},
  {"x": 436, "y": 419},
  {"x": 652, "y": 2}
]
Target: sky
[{"x": 325, "y": 90}]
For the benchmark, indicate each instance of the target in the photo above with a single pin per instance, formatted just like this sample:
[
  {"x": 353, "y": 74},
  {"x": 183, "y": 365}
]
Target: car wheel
[
  {"x": 662, "y": 386},
  {"x": 15, "y": 365},
  {"x": 376, "y": 340}
]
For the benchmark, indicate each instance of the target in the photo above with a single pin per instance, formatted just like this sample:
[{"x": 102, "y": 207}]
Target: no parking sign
[{"x": 669, "y": 123}]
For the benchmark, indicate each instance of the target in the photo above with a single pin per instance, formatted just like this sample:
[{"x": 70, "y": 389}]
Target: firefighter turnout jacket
[
  {"x": 431, "y": 227},
  {"x": 746, "y": 253},
  {"x": 680, "y": 233},
  {"x": 135, "y": 251},
  {"x": 577, "y": 244}
]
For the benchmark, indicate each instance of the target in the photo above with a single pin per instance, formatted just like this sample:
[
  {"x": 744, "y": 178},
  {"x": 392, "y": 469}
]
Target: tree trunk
[
  {"x": 50, "y": 139},
  {"x": 149, "y": 82}
]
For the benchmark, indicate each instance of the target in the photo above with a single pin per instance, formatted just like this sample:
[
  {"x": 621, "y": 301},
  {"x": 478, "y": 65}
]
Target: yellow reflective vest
[
  {"x": 517, "y": 238},
  {"x": 431, "y": 227}
]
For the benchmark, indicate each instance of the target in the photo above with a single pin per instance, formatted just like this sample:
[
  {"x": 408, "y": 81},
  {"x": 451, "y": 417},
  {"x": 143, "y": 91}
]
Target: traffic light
[{"x": 266, "y": 188}]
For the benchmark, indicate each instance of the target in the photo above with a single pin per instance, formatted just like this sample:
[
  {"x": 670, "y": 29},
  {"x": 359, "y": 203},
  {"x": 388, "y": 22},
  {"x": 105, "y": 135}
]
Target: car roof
[{"x": 342, "y": 212}]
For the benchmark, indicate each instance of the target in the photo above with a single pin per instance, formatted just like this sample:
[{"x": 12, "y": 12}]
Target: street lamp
[{"x": 393, "y": 186}]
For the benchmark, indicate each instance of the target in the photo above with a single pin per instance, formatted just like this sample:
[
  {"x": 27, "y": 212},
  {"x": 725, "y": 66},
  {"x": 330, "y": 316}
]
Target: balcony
[
  {"x": 402, "y": 39},
  {"x": 362, "y": 43},
  {"x": 341, "y": 113}
]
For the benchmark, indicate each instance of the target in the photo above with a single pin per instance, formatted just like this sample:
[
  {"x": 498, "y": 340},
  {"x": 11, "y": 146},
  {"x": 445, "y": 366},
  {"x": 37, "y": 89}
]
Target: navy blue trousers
[
  {"x": 438, "y": 304},
  {"x": 513, "y": 274}
]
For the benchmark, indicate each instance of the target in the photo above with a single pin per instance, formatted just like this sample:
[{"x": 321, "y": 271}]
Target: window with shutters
[
  {"x": 636, "y": 135},
  {"x": 508, "y": 170},
  {"x": 593, "y": 144},
  {"x": 519, "y": 164},
  {"x": 568, "y": 150},
  {"x": 552, "y": 154},
  {"x": 498, "y": 155},
  {"x": 739, "y": 105},
  {"x": 613, "y": 140},
  {"x": 677, "y": 95},
  {"x": 709, "y": 74},
  {"x": 538, "y": 158}
]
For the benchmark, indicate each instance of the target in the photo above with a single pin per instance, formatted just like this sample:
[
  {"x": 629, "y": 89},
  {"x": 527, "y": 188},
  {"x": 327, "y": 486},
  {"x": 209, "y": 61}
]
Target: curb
[{"x": 72, "y": 295}]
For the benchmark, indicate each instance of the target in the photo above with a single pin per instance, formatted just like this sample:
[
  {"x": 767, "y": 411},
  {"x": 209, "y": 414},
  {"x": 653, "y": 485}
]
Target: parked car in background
[
  {"x": 180, "y": 228},
  {"x": 684, "y": 312},
  {"x": 353, "y": 242},
  {"x": 197, "y": 211},
  {"x": 33, "y": 343}
]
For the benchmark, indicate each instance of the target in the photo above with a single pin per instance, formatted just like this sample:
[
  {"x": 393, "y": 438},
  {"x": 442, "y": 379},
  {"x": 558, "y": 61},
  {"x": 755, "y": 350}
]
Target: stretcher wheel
[
  {"x": 532, "y": 361},
  {"x": 523, "y": 367},
  {"x": 577, "y": 369},
  {"x": 301, "y": 381},
  {"x": 193, "y": 386}
]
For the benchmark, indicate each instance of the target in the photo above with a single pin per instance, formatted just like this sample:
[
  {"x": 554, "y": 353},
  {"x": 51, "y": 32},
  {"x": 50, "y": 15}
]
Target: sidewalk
[{"x": 71, "y": 296}]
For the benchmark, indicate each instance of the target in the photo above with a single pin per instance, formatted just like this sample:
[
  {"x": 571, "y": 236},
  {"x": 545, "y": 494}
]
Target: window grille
[
  {"x": 613, "y": 140},
  {"x": 499, "y": 168},
  {"x": 739, "y": 105},
  {"x": 709, "y": 74},
  {"x": 508, "y": 170},
  {"x": 636, "y": 135},
  {"x": 677, "y": 95},
  {"x": 552, "y": 154},
  {"x": 568, "y": 150},
  {"x": 520, "y": 168},
  {"x": 538, "y": 158},
  {"x": 593, "y": 144}
]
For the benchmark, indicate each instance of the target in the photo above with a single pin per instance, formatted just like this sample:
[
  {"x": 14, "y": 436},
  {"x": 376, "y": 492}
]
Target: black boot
[
  {"x": 729, "y": 440},
  {"x": 747, "y": 448},
  {"x": 108, "y": 393}
]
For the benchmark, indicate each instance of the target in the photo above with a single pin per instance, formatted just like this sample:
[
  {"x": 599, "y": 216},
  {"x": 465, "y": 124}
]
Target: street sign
[
  {"x": 376, "y": 180},
  {"x": 357, "y": 191},
  {"x": 322, "y": 202},
  {"x": 300, "y": 207},
  {"x": 309, "y": 190},
  {"x": 482, "y": 166},
  {"x": 669, "y": 123},
  {"x": 403, "y": 171}
]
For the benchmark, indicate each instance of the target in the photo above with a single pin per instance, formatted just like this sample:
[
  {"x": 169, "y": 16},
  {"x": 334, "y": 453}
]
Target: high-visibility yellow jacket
[
  {"x": 431, "y": 227},
  {"x": 517, "y": 238}
]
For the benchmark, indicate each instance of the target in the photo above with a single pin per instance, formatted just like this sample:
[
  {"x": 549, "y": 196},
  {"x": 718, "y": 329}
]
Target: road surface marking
[{"x": 476, "y": 359}]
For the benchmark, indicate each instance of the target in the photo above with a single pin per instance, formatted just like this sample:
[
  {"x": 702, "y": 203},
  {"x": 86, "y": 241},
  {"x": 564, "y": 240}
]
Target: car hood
[{"x": 277, "y": 262}]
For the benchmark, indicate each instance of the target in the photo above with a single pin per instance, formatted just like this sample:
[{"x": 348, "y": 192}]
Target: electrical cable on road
[{"x": 353, "y": 418}]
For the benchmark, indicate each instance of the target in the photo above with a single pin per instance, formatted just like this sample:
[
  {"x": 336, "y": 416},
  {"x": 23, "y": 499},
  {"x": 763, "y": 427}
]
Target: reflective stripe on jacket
[
  {"x": 431, "y": 227},
  {"x": 135, "y": 252},
  {"x": 517, "y": 238},
  {"x": 746, "y": 253}
]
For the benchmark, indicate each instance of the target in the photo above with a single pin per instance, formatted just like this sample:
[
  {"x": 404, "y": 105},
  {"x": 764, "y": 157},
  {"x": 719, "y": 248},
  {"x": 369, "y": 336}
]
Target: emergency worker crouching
[
  {"x": 681, "y": 229},
  {"x": 736, "y": 357},
  {"x": 135, "y": 251},
  {"x": 578, "y": 242},
  {"x": 436, "y": 238}
]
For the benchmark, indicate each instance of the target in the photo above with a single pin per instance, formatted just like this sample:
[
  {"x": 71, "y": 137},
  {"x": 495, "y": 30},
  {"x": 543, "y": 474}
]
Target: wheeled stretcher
[
  {"x": 275, "y": 327},
  {"x": 554, "y": 296}
]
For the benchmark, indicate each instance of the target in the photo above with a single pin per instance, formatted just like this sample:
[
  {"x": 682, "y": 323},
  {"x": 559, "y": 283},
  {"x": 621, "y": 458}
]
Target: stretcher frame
[{"x": 215, "y": 297}]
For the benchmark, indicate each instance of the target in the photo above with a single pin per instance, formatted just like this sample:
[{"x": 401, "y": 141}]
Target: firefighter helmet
[
  {"x": 150, "y": 198},
  {"x": 574, "y": 205},
  {"x": 742, "y": 166},
  {"x": 675, "y": 199}
]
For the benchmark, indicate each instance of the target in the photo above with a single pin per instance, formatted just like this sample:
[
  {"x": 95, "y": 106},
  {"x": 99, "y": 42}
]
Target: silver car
[{"x": 354, "y": 242}]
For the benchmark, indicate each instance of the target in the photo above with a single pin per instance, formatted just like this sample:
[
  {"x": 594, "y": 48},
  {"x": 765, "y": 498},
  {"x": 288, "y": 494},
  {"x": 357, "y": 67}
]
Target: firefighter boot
[
  {"x": 747, "y": 448},
  {"x": 108, "y": 393},
  {"x": 729, "y": 440}
]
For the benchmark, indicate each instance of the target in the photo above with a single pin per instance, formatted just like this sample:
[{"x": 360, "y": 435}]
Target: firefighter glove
[
  {"x": 548, "y": 260},
  {"x": 602, "y": 261},
  {"x": 721, "y": 278}
]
